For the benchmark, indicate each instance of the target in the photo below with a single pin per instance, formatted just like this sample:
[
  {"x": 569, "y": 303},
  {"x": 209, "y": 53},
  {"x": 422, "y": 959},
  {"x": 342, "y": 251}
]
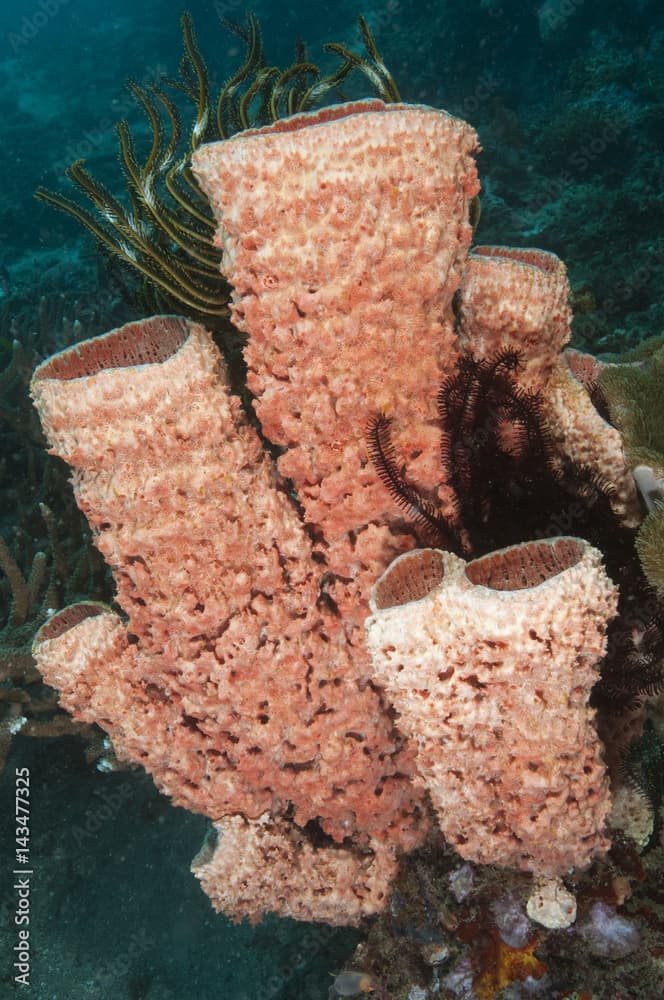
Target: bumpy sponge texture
[
  {"x": 238, "y": 691},
  {"x": 490, "y": 671},
  {"x": 344, "y": 232}
]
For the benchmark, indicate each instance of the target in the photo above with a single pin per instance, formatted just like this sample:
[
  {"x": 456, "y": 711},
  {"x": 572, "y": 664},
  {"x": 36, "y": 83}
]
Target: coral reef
[
  {"x": 242, "y": 682},
  {"x": 567, "y": 99},
  {"x": 464, "y": 931},
  {"x": 632, "y": 391}
]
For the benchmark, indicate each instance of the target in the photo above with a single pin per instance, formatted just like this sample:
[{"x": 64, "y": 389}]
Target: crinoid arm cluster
[{"x": 163, "y": 231}]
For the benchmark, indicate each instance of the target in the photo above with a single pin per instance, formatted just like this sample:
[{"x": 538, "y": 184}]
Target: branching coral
[{"x": 26, "y": 706}]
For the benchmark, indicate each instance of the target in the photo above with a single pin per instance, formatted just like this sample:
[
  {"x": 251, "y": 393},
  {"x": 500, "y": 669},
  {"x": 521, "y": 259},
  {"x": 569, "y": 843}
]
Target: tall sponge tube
[
  {"x": 235, "y": 688},
  {"x": 490, "y": 665}
]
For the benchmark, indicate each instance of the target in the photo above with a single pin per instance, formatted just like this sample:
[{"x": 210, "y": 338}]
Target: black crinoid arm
[
  {"x": 511, "y": 485},
  {"x": 633, "y": 668},
  {"x": 495, "y": 451},
  {"x": 429, "y": 522},
  {"x": 508, "y": 483}
]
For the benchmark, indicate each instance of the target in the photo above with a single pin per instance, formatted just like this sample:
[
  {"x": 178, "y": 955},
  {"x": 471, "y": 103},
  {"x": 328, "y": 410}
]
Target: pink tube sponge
[
  {"x": 232, "y": 684},
  {"x": 519, "y": 299},
  {"x": 344, "y": 232},
  {"x": 490, "y": 666},
  {"x": 267, "y": 864}
]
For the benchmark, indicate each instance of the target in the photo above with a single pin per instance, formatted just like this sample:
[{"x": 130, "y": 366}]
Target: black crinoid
[
  {"x": 162, "y": 230},
  {"x": 432, "y": 526},
  {"x": 496, "y": 455},
  {"x": 495, "y": 451},
  {"x": 511, "y": 486}
]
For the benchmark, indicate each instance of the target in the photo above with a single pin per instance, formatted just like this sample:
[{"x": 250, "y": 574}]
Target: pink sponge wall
[
  {"x": 518, "y": 298},
  {"x": 490, "y": 665},
  {"x": 243, "y": 680},
  {"x": 230, "y": 684},
  {"x": 344, "y": 234}
]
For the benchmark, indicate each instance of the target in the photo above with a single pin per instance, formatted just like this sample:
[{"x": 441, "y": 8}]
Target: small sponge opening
[
  {"x": 520, "y": 567},
  {"x": 321, "y": 117},
  {"x": 146, "y": 342},
  {"x": 522, "y": 255},
  {"x": 68, "y": 618},
  {"x": 409, "y": 578}
]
